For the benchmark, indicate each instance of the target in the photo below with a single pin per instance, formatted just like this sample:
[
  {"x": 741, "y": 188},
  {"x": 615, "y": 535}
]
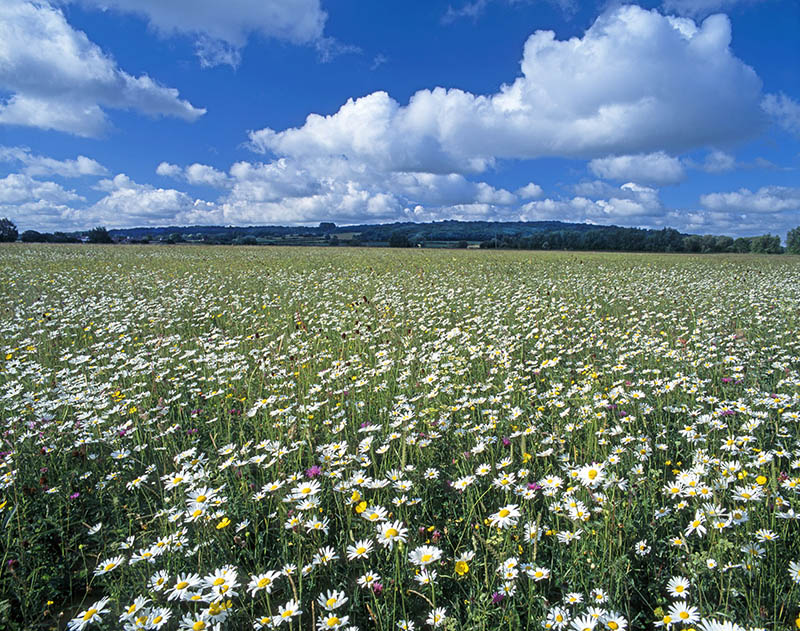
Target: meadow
[{"x": 256, "y": 438}]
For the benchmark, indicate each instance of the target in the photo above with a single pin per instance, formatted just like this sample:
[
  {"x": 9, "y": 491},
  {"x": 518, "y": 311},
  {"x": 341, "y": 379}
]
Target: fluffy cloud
[
  {"x": 652, "y": 168},
  {"x": 198, "y": 174},
  {"x": 59, "y": 79},
  {"x": 221, "y": 29},
  {"x": 784, "y": 110},
  {"x": 287, "y": 190},
  {"x": 718, "y": 162},
  {"x": 44, "y": 166},
  {"x": 530, "y": 191},
  {"x": 636, "y": 82},
  {"x": 768, "y": 199},
  {"x": 169, "y": 170},
  {"x": 19, "y": 188},
  {"x": 630, "y": 204}
]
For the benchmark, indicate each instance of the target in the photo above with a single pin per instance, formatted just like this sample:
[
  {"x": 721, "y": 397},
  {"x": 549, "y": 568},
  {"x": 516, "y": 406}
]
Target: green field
[{"x": 201, "y": 438}]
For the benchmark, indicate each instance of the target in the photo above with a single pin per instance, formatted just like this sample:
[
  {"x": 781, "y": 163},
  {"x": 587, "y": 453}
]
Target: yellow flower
[
  {"x": 462, "y": 567},
  {"x": 361, "y": 507},
  {"x": 761, "y": 480},
  {"x": 224, "y": 523}
]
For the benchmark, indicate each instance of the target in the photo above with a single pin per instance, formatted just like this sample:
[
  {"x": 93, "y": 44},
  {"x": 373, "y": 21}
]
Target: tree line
[{"x": 543, "y": 235}]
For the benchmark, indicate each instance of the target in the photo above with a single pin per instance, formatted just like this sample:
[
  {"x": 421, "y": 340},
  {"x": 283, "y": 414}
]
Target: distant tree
[
  {"x": 176, "y": 237},
  {"x": 693, "y": 243},
  {"x": 31, "y": 236},
  {"x": 463, "y": 244},
  {"x": 766, "y": 244},
  {"x": 793, "y": 241},
  {"x": 723, "y": 243},
  {"x": 334, "y": 240},
  {"x": 327, "y": 226},
  {"x": 399, "y": 240},
  {"x": 99, "y": 235},
  {"x": 741, "y": 245},
  {"x": 61, "y": 237},
  {"x": 8, "y": 231}
]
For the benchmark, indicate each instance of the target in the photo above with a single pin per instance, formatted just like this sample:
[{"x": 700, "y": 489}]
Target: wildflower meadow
[{"x": 298, "y": 438}]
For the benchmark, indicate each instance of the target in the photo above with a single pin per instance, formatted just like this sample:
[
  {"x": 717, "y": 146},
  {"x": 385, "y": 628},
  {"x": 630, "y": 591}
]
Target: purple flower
[
  {"x": 314, "y": 471},
  {"x": 506, "y": 442},
  {"x": 377, "y": 588},
  {"x": 74, "y": 496},
  {"x": 497, "y": 598}
]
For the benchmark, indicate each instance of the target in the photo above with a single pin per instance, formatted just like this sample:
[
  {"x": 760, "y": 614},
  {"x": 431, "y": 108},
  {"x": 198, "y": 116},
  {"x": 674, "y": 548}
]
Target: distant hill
[{"x": 530, "y": 235}]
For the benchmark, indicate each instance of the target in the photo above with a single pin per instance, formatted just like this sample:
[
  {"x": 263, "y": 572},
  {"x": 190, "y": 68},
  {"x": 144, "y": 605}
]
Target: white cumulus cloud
[
  {"x": 630, "y": 204},
  {"x": 221, "y": 29},
  {"x": 635, "y": 82},
  {"x": 651, "y": 168},
  {"x": 767, "y": 199},
  {"x": 45, "y": 166},
  {"x": 530, "y": 191},
  {"x": 18, "y": 188},
  {"x": 58, "y": 79}
]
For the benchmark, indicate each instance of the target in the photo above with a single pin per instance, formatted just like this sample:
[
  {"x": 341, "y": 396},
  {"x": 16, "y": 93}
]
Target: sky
[{"x": 128, "y": 113}]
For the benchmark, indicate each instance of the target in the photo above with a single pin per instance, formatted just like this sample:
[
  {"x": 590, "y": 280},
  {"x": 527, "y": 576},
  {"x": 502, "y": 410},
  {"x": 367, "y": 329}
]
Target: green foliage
[
  {"x": 99, "y": 235},
  {"x": 8, "y": 231},
  {"x": 399, "y": 240},
  {"x": 793, "y": 241}
]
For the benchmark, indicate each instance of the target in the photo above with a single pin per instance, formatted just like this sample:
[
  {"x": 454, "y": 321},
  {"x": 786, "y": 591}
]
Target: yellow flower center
[
  {"x": 361, "y": 550},
  {"x": 392, "y": 532},
  {"x": 110, "y": 566},
  {"x": 218, "y": 581},
  {"x": 684, "y": 615},
  {"x": 613, "y": 625},
  {"x": 89, "y": 614},
  {"x": 426, "y": 558},
  {"x": 592, "y": 474},
  {"x": 264, "y": 582},
  {"x": 333, "y": 621},
  {"x": 679, "y": 588},
  {"x": 504, "y": 513},
  {"x": 201, "y": 498},
  {"x": 198, "y": 626},
  {"x": 157, "y": 619}
]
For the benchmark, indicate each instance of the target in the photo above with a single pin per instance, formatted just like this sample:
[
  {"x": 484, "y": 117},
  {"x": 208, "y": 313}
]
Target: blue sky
[{"x": 681, "y": 113}]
